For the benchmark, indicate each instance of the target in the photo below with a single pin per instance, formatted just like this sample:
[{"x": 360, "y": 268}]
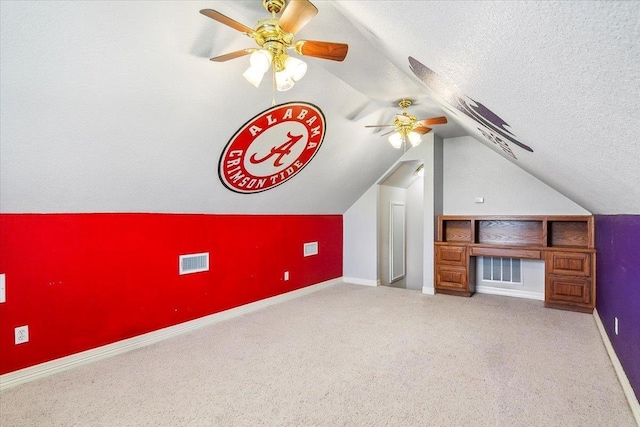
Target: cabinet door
[
  {"x": 452, "y": 277},
  {"x": 453, "y": 255},
  {"x": 569, "y": 263},
  {"x": 568, "y": 290}
]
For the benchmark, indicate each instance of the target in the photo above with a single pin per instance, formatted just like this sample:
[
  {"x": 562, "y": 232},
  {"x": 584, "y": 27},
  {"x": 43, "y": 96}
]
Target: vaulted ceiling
[{"x": 114, "y": 107}]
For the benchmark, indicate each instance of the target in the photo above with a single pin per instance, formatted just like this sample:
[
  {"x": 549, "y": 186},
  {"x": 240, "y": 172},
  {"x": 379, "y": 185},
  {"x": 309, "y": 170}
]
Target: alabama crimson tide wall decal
[{"x": 272, "y": 147}]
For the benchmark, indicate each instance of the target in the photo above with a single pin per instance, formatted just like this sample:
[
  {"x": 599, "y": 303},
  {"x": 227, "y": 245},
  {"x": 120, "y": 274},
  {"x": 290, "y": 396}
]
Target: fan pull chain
[{"x": 273, "y": 87}]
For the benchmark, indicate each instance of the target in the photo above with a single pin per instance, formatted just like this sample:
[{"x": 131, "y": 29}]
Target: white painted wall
[
  {"x": 415, "y": 233},
  {"x": 360, "y": 241},
  {"x": 456, "y": 172},
  {"x": 473, "y": 170},
  {"x": 127, "y": 114},
  {"x": 430, "y": 153}
]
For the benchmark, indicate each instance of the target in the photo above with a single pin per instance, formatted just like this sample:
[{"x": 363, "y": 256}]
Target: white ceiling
[{"x": 114, "y": 107}]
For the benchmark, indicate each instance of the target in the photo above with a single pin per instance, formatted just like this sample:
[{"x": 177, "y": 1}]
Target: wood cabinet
[
  {"x": 455, "y": 255},
  {"x": 569, "y": 263},
  {"x": 454, "y": 274},
  {"x": 565, "y": 243},
  {"x": 569, "y": 280}
]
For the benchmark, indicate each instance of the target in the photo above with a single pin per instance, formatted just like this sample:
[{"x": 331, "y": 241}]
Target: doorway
[{"x": 400, "y": 226}]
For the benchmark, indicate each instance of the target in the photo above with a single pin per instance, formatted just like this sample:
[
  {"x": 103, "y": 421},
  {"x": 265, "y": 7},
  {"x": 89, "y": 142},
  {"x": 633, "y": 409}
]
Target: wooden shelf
[
  {"x": 568, "y": 233},
  {"x": 535, "y": 231},
  {"x": 457, "y": 231},
  {"x": 510, "y": 232}
]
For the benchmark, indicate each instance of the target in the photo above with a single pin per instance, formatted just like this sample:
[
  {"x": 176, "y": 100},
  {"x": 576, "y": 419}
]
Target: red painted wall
[{"x": 85, "y": 280}]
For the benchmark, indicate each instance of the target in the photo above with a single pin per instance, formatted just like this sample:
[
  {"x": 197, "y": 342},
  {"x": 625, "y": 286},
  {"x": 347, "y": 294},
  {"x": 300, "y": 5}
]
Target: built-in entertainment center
[{"x": 564, "y": 243}]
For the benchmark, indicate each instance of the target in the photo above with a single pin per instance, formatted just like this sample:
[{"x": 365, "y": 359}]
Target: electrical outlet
[
  {"x": 615, "y": 324},
  {"x": 22, "y": 334},
  {"x": 286, "y": 275}
]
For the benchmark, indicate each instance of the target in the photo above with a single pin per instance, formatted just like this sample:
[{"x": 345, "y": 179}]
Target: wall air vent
[
  {"x": 194, "y": 263},
  {"x": 506, "y": 270},
  {"x": 311, "y": 249}
]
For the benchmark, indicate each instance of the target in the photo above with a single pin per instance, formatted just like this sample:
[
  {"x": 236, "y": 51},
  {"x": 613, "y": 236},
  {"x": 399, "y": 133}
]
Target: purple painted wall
[{"x": 618, "y": 287}]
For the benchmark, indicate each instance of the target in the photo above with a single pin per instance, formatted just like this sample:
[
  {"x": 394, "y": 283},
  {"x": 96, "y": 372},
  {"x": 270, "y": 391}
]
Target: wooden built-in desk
[{"x": 565, "y": 243}]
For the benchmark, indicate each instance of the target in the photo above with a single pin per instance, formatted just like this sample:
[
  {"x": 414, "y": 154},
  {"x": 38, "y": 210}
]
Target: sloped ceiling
[{"x": 114, "y": 107}]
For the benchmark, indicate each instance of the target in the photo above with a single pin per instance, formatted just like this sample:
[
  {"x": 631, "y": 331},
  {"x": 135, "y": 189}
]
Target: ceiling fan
[
  {"x": 406, "y": 128},
  {"x": 274, "y": 38}
]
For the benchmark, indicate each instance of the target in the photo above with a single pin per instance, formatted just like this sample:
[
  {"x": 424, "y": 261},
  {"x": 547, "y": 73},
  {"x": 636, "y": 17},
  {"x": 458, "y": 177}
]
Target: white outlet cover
[
  {"x": 22, "y": 334},
  {"x": 286, "y": 275}
]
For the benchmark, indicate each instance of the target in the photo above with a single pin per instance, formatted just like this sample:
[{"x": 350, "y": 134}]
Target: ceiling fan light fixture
[
  {"x": 415, "y": 138},
  {"x": 296, "y": 67},
  {"x": 395, "y": 139},
  {"x": 261, "y": 59},
  {"x": 275, "y": 36},
  {"x": 253, "y": 76},
  {"x": 283, "y": 80}
]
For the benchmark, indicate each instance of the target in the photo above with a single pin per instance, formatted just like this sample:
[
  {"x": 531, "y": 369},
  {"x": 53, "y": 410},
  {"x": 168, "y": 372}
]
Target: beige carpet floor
[{"x": 349, "y": 355}]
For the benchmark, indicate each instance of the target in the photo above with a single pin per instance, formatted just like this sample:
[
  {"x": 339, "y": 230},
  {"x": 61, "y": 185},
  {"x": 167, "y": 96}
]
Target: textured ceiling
[
  {"x": 564, "y": 75},
  {"x": 113, "y": 106}
]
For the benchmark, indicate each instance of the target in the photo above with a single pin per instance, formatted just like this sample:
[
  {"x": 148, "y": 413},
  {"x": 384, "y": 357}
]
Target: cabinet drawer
[
  {"x": 569, "y": 263},
  {"x": 452, "y": 277},
  {"x": 568, "y": 290},
  {"x": 453, "y": 255}
]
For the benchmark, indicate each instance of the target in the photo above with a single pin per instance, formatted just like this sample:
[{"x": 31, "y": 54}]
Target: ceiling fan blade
[
  {"x": 324, "y": 50},
  {"x": 387, "y": 133},
  {"x": 296, "y": 15},
  {"x": 433, "y": 121},
  {"x": 232, "y": 55},
  {"x": 377, "y": 126},
  {"x": 227, "y": 21},
  {"x": 422, "y": 130}
]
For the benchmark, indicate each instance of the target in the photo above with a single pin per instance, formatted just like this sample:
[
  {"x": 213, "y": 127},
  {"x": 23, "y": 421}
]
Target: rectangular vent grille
[
  {"x": 507, "y": 270},
  {"x": 194, "y": 263},
  {"x": 311, "y": 249}
]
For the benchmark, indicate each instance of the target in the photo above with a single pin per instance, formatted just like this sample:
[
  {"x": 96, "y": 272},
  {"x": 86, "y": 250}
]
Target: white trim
[
  {"x": 510, "y": 292},
  {"x": 365, "y": 282},
  {"x": 42, "y": 370},
  {"x": 617, "y": 366},
  {"x": 429, "y": 290}
]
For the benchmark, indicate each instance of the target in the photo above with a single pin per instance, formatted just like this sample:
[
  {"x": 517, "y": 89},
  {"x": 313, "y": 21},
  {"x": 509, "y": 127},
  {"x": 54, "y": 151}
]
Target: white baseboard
[
  {"x": 365, "y": 282},
  {"x": 428, "y": 290},
  {"x": 510, "y": 292},
  {"x": 42, "y": 370},
  {"x": 617, "y": 366}
]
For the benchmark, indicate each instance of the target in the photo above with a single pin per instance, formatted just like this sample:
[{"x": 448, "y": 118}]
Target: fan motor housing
[
  {"x": 269, "y": 35},
  {"x": 273, "y": 6}
]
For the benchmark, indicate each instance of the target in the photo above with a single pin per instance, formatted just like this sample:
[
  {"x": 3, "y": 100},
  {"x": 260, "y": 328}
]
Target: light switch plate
[{"x": 3, "y": 288}]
